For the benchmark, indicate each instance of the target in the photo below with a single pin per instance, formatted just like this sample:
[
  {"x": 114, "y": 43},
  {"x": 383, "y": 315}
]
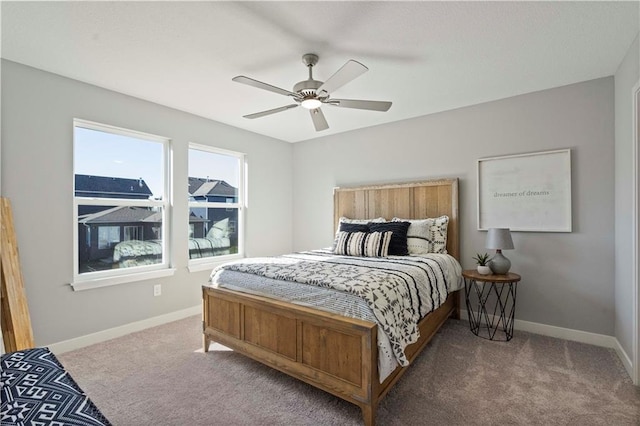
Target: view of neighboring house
[
  {"x": 100, "y": 228},
  {"x": 215, "y": 191},
  {"x": 109, "y": 187},
  {"x": 99, "y": 232}
]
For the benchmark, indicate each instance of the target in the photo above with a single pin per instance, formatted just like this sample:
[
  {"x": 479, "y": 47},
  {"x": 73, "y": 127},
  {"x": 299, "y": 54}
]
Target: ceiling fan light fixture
[{"x": 311, "y": 103}]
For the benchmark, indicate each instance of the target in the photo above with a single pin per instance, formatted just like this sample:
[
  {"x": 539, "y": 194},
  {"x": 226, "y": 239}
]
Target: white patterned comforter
[{"x": 396, "y": 292}]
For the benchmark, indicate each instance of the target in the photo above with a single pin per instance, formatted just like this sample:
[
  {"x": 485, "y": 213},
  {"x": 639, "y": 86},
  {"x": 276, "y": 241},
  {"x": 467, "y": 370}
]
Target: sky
[{"x": 105, "y": 154}]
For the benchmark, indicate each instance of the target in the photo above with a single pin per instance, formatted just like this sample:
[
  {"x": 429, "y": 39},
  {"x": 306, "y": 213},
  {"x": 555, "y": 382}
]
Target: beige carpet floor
[{"x": 161, "y": 377}]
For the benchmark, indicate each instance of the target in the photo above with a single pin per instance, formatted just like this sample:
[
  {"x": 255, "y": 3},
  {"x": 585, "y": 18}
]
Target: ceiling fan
[{"x": 311, "y": 94}]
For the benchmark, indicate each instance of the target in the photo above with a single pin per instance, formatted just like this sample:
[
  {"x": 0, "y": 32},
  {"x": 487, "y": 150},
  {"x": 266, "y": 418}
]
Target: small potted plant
[{"x": 483, "y": 263}]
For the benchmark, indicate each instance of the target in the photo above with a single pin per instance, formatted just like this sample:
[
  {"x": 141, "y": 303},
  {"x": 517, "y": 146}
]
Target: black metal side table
[{"x": 494, "y": 299}]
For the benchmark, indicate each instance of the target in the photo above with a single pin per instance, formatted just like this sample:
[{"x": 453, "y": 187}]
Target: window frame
[
  {"x": 201, "y": 264},
  {"x": 88, "y": 280}
]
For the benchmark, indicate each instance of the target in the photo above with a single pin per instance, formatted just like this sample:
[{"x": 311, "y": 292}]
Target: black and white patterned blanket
[
  {"x": 36, "y": 390},
  {"x": 400, "y": 290}
]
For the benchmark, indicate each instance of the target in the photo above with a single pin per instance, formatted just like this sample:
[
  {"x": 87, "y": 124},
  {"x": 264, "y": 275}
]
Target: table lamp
[{"x": 499, "y": 239}]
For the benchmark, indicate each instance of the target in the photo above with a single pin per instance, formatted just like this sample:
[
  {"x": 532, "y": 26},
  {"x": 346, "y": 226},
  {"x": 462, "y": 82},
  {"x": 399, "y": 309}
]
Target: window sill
[
  {"x": 209, "y": 264},
  {"x": 122, "y": 279}
]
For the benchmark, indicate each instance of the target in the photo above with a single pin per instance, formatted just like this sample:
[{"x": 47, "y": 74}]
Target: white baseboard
[
  {"x": 573, "y": 335},
  {"x": 531, "y": 327},
  {"x": 101, "y": 336},
  {"x": 626, "y": 360}
]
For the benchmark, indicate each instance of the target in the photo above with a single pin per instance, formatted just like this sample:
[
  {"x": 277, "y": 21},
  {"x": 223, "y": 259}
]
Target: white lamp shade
[{"x": 499, "y": 239}]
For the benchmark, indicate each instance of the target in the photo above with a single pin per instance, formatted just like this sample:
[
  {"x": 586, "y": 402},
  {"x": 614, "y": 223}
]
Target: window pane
[
  {"x": 215, "y": 232},
  {"x": 108, "y": 236},
  {"x": 112, "y": 237},
  {"x": 129, "y": 168},
  {"x": 213, "y": 177},
  {"x": 133, "y": 233},
  {"x": 108, "y": 165}
]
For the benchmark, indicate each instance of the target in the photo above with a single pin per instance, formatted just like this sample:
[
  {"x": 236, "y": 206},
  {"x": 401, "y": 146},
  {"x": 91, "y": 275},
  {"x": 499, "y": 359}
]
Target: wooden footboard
[{"x": 334, "y": 353}]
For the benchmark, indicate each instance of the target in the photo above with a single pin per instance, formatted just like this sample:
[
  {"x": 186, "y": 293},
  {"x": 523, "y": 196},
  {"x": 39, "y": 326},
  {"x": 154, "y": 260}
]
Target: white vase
[{"x": 484, "y": 270}]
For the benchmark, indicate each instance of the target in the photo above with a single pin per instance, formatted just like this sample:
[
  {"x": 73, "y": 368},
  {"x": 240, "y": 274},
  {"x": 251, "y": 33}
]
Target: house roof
[
  {"x": 119, "y": 215},
  {"x": 112, "y": 187},
  {"x": 202, "y": 187},
  {"x": 128, "y": 214}
]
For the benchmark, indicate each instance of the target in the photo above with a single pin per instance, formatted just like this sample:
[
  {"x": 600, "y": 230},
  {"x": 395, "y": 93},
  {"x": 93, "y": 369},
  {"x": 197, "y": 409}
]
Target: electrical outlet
[{"x": 157, "y": 290}]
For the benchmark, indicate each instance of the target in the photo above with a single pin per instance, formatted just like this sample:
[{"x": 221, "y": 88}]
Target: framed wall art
[{"x": 526, "y": 192}]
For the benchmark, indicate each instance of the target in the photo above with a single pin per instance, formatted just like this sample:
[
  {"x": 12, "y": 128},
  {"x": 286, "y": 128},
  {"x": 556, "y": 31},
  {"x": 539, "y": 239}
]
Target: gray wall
[
  {"x": 626, "y": 77},
  {"x": 567, "y": 277},
  {"x": 37, "y": 175}
]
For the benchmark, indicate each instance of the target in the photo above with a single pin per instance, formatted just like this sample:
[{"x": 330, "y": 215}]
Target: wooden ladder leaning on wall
[{"x": 16, "y": 322}]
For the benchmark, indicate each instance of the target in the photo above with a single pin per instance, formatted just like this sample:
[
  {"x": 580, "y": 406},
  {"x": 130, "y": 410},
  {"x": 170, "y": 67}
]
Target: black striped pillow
[
  {"x": 349, "y": 227},
  {"x": 363, "y": 244},
  {"x": 398, "y": 245}
]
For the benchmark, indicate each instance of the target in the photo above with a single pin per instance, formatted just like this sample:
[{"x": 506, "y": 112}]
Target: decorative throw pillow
[
  {"x": 353, "y": 227},
  {"x": 363, "y": 244},
  {"x": 350, "y": 227},
  {"x": 426, "y": 235},
  {"x": 398, "y": 245},
  {"x": 345, "y": 221}
]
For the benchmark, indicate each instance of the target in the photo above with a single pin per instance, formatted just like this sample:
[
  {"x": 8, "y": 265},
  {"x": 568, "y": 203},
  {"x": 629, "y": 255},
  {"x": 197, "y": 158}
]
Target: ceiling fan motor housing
[
  {"x": 307, "y": 86},
  {"x": 307, "y": 89}
]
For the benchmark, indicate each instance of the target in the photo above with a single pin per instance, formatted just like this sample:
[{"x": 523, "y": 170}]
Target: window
[
  {"x": 108, "y": 236},
  {"x": 133, "y": 233},
  {"x": 121, "y": 192},
  {"x": 216, "y": 202}
]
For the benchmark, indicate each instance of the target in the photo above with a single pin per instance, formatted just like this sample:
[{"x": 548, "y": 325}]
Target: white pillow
[
  {"x": 364, "y": 221},
  {"x": 426, "y": 235},
  {"x": 219, "y": 230}
]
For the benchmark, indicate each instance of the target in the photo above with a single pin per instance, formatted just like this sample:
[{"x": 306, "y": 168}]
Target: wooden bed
[{"x": 331, "y": 352}]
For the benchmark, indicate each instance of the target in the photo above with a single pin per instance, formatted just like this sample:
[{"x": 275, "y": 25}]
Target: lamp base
[{"x": 499, "y": 264}]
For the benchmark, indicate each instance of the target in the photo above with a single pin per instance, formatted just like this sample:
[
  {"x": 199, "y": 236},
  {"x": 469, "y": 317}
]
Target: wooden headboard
[{"x": 417, "y": 200}]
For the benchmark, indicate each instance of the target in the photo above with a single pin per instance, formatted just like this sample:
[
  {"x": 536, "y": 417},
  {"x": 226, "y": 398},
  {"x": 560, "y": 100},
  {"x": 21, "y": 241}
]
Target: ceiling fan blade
[
  {"x": 319, "y": 122},
  {"x": 354, "y": 103},
  {"x": 348, "y": 72},
  {"x": 260, "y": 85},
  {"x": 270, "y": 111}
]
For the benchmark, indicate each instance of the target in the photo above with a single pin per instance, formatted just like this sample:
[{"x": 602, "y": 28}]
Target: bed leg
[
  {"x": 206, "y": 343},
  {"x": 456, "y": 312},
  {"x": 369, "y": 414}
]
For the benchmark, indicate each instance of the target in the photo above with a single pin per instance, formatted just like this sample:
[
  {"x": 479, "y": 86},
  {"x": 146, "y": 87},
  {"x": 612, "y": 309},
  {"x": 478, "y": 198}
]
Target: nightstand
[{"x": 494, "y": 299}]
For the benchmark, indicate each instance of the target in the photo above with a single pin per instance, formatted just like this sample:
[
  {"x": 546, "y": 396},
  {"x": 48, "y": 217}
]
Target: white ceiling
[{"x": 424, "y": 56}]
